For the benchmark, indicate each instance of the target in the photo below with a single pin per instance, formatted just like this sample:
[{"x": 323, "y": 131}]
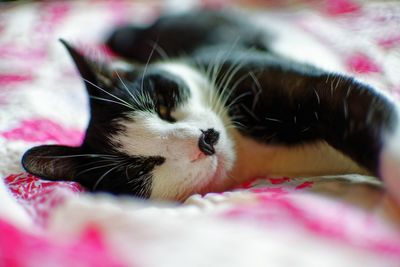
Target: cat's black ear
[
  {"x": 96, "y": 75},
  {"x": 53, "y": 162}
]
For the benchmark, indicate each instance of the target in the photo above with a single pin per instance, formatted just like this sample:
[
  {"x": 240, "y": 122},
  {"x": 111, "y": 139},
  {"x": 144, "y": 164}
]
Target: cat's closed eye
[
  {"x": 165, "y": 113},
  {"x": 163, "y": 109}
]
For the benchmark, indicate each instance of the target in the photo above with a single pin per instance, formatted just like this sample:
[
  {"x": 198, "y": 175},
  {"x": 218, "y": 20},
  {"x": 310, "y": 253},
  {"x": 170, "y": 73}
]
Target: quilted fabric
[{"x": 320, "y": 221}]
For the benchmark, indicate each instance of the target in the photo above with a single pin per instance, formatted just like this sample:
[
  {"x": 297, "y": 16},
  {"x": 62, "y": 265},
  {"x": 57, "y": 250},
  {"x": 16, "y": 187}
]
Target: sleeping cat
[{"x": 208, "y": 102}]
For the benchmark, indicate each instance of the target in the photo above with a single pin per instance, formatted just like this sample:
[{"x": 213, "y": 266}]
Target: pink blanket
[{"x": 317, "y": 221}]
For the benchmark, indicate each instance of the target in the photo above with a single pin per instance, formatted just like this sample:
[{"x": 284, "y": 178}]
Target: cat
[{"x": 207, "y": 102}]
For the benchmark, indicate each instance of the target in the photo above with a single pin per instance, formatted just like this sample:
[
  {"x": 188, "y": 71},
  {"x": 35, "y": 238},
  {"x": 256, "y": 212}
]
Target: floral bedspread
[{"x": 317, "y": 221}]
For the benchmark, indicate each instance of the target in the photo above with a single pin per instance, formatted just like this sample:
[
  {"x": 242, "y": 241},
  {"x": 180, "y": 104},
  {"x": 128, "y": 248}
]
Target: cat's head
[{"x": 156, "y": 131}]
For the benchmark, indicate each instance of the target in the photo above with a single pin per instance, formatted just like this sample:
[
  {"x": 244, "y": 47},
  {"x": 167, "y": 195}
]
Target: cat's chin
[
  {"x": 212, "y": 182},
  {"x": 215, "y": 178},
  {"x": 215, "y": 182}
]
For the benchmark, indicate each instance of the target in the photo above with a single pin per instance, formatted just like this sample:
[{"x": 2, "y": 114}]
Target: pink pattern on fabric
[
  {"x": 247, "y": 184},
  {"x": 6, "y": 79},
  {"x": 52, "y": 14},
  {"x": 44, "y": 130},
  {"x": 304, "y": 185},
  {"x": 339, "y": 7},
  {"x": 320, "y": 218},
  {"x": 389, "y": 41},
  {"x": 279, "y": 180},
  {"x": 40, "y": 197},
  {"x": 119, "y": 11},
  {"x": 19, "y": 248},
  {"x": 21, "y": 53},
  {"x": 275, "y": 192},
  {"x": 361, "y": 63},
  {"x": 250, "y": 183}
]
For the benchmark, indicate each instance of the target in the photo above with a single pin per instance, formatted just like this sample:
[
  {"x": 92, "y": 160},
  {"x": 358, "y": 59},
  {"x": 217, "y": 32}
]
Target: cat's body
[{"x": 208, "y": 103}]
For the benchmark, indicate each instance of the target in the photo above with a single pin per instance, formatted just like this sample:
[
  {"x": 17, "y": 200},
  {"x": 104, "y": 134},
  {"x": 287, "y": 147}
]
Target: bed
[{"x": 342, "y": 220}]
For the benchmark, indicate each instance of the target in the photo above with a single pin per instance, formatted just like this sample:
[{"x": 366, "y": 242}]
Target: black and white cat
[{"x": 208, "y": 102}]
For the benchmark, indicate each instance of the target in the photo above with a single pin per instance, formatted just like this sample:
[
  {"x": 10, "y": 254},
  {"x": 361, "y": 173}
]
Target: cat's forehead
[
  {"x": 157, "y": 69},
  {"x": 165, "y": 76},
  {"x": 189, "y": 74}
]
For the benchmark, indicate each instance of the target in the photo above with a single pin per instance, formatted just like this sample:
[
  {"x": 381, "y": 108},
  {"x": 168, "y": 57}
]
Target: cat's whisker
[
  {"x": 127, "y": 174},
  {"x": 161, "y": 51},
  {"x": 236, "y": 124},
  {"x": 251, "y": 113},
  {"x": 259, "y": 89},
  {"x": 110, "y": 94},
  {"x": 273, "y": 119},
  {"x": 236, "y": 99},
  {"x": 217, "y": 66},
  {"x": 140, "y": 100},
  {"x": 269, "y": 137},
  {"x": 103, "y": 176},
  {"x": 225, "y": 86},
  {"x": 111, "y": 101},
  {"x": 95, "y": 168},
  {"x": 233, "y": 71},
  {"x": 146, "y": 66},
  {"x": 213, "y": 75},
  {"x": 149, "y": 101},
  {"x": 81, "y": 155},
  {"x": 233, "y": 88},
  {"x": 236, "y": 117},
  {"x": 317, "y": 95},
  {"x": 229, "y": 75},
  {"x": 222, "y": 87},
  {"x": 135, "y": 100},
  {"x": 96, "y": 162}
]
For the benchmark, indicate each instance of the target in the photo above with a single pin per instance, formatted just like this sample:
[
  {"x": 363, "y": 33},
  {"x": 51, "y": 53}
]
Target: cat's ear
[
  {"x": 96, "y": 75},
  {"x": 53, "y": 162}
]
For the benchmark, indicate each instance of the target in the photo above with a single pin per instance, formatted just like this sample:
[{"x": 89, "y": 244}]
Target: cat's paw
[{"x": 389, "y": 168}]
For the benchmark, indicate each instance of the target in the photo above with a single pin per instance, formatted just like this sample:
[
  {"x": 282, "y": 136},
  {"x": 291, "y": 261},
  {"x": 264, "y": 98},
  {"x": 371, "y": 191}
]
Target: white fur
[{"x": 186, "y": 169}]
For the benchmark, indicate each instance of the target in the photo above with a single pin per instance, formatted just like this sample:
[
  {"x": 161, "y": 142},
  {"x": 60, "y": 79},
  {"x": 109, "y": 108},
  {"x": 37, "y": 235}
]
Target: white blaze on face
[{"x": 186, "y": 169}]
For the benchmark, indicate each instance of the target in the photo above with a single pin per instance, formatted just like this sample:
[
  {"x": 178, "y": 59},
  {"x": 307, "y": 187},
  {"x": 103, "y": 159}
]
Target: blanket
[{"x": 269, "y": 221}]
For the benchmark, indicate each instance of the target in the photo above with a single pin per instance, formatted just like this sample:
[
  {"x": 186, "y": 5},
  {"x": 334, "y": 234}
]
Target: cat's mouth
[{"x": 198, "y": 156}]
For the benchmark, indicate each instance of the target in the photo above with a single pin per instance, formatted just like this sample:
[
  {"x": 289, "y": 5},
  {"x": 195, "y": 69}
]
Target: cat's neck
[{"x": 254, "y": 160}]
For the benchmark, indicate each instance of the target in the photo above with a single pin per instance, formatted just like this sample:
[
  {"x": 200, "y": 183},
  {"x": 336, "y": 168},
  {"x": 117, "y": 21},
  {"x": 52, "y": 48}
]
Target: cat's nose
[{"x": 208, "y": 139}]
